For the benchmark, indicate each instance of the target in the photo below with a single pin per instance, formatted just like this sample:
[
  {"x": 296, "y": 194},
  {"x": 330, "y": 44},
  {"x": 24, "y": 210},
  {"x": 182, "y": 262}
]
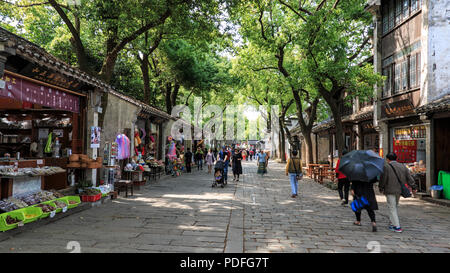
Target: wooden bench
[{"x": 124, "y": 184}]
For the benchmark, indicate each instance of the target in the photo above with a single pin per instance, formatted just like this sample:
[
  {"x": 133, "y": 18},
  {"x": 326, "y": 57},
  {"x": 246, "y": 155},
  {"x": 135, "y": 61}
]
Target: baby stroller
[{"x": 219, "y": 174}]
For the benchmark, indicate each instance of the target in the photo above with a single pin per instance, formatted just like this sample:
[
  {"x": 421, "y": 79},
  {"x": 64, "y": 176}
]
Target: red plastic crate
[{"x": 91, "y": 198}]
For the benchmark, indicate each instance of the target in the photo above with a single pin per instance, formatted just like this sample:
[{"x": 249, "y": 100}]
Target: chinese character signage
[
  {"x": 47, "y": 76},
  {"x": 398, "y": 108},
  {"x": 406, "y": 150},
  {"x": 29, "y": 92}
]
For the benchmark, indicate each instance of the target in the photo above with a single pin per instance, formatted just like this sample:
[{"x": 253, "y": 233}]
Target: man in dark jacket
[
  {"x": 188, "y": 160},
  {"x": 394, "y": 174}
]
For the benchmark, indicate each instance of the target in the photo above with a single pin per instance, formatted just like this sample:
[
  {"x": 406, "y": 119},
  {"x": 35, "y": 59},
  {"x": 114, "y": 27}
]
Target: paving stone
[{"x": 254, "y": 215}]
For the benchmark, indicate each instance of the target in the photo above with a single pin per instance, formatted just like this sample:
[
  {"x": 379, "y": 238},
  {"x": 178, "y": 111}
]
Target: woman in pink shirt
[{"x": 343, "y": 182}]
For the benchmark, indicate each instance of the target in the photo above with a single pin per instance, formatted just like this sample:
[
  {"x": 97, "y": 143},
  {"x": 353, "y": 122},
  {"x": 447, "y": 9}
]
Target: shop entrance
[{"x": 442, "y": 145}]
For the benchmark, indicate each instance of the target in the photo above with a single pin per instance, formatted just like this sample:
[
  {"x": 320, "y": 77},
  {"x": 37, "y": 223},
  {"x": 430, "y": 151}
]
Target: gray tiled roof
[
  {"x": 35, "y": 54},
  {"x": 38, "y": 55},
  {"x": 439, "y": 105}
]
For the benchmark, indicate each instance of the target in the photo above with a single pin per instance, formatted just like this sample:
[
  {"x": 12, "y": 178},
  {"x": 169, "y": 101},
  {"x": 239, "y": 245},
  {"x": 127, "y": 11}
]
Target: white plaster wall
[{"x": 436, "y": 79}]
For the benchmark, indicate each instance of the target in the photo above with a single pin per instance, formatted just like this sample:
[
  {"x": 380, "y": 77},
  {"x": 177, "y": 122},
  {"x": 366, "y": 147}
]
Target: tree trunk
[
  {"x": 168, "y": 91},
  {"x": 337, "y": 117},
  {"x": 283, "y": 142},
  {"x": 174, "y": 95},
  {"x": 309, "y": 147},
  {"x": 146, "y": 78},
  {"x": 335, "y": 107}
]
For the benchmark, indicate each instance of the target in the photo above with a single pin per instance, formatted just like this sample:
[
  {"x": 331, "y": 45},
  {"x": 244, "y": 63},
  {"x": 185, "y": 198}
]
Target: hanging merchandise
[
  {"x": 123, "y": 146},
  {"x": 48, "y": 147},
  {"x": 137, "y": 139},
  {"x": 172, "y": 151},
  {"x": 143, "y": 133}
]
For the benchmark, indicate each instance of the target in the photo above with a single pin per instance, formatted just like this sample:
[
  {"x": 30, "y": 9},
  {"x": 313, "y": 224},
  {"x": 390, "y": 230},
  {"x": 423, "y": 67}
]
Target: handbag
[
  {"x": 406, "y": 192},
  {"x": 359, "y": 203}
]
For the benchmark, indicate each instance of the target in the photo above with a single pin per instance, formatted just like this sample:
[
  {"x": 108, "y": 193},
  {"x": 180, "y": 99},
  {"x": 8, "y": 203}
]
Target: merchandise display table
[{"x": 124, "y": 184}]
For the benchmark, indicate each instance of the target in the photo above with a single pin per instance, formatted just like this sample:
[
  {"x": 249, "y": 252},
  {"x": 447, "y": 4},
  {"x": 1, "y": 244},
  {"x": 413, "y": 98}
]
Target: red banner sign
[
  {"x": 406, "y": 150},
  {"x": 29, "y": 92}
]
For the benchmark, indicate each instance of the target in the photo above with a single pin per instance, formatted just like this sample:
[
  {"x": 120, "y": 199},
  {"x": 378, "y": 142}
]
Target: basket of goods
[
  {"x": 11, "y": 220},
  {"x": 17, "y": 202},
  {"x": 74, "y": 165},
  {"x": 46, "y": 208},
  {"x": 31, "y": 214},
  {"x": 57, "y": 194},
  {"x": 60, "y": 204},
  {"x": 93, "y": 165},
  {"x": 91, "y": 195},
  {"x": 44, "y": 196},
  {"x": 74, "y": 158},
  {"x": 6, "y": 206},
  {"x": 72, "y": 201}
]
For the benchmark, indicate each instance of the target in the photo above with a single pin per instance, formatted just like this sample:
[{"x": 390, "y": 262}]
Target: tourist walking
[
  {"x": 209, "y": 160},
  {"x": 343, "y": 183},
  {"x": 188, "y": 160},
  {"x": 225, "y": 156},
  {"x": 294, "y": 171},
  {"x": 262, "y": 162},
  {"x": 360, "y": 189},
  {"x": 199, "y": 158},
  {"x": 394, "y": 174},
  {"x": 244, "y": 154},
  {"x": 237, "y": 164}
]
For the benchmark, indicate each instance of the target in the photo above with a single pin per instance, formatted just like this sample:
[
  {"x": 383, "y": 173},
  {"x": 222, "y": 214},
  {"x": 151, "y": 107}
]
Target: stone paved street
[{"x": 185, "y": 214}]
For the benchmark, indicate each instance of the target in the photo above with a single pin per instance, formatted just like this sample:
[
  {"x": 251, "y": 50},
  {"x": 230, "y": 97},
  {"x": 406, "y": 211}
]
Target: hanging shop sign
[
  {"x": 406, "y": 150},
  {"x": 398, "y": 108},
  {"x": 45, "y": 75},
  {"x": 30, "y": 92}
]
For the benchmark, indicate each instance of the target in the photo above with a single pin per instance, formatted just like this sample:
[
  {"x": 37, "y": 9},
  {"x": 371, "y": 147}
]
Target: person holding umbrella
[
  {"x": 362, "y": 188},
  {"x": 362, "y": 168}
]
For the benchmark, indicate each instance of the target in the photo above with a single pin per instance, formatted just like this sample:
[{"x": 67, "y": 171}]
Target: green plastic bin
[
  {"x": 75, "y": 198},
  {"x": 15, "y": 214},
  {"x": 45, "y": 214},
  {"x": 444, "y": 180},
  {"x": 31, "y": 210},
  {"x": 58, "y": 210}
]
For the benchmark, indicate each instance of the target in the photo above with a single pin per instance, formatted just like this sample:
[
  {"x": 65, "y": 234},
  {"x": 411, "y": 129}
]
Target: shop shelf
[
  {"x": 37, "y": 212},
  {"x": 15, "y": 214},
  {"x": 71, "y": 198}
]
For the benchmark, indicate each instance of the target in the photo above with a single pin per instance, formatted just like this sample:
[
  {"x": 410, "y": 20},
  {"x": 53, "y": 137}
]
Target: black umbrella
[{"x": 361, "y": 165}]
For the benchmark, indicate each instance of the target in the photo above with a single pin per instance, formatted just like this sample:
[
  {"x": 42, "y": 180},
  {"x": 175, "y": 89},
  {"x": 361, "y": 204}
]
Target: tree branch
[
  {"x": 296, "y": 12},
  {"x": 25, "y": 6},
  {"x": 264, "y": 68},
  {"x": 140, "y": 31},
  {"x": 321, "y": 5},
  {"x": 360, "y": 48},
  {"x": 261, "y": 12}
]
